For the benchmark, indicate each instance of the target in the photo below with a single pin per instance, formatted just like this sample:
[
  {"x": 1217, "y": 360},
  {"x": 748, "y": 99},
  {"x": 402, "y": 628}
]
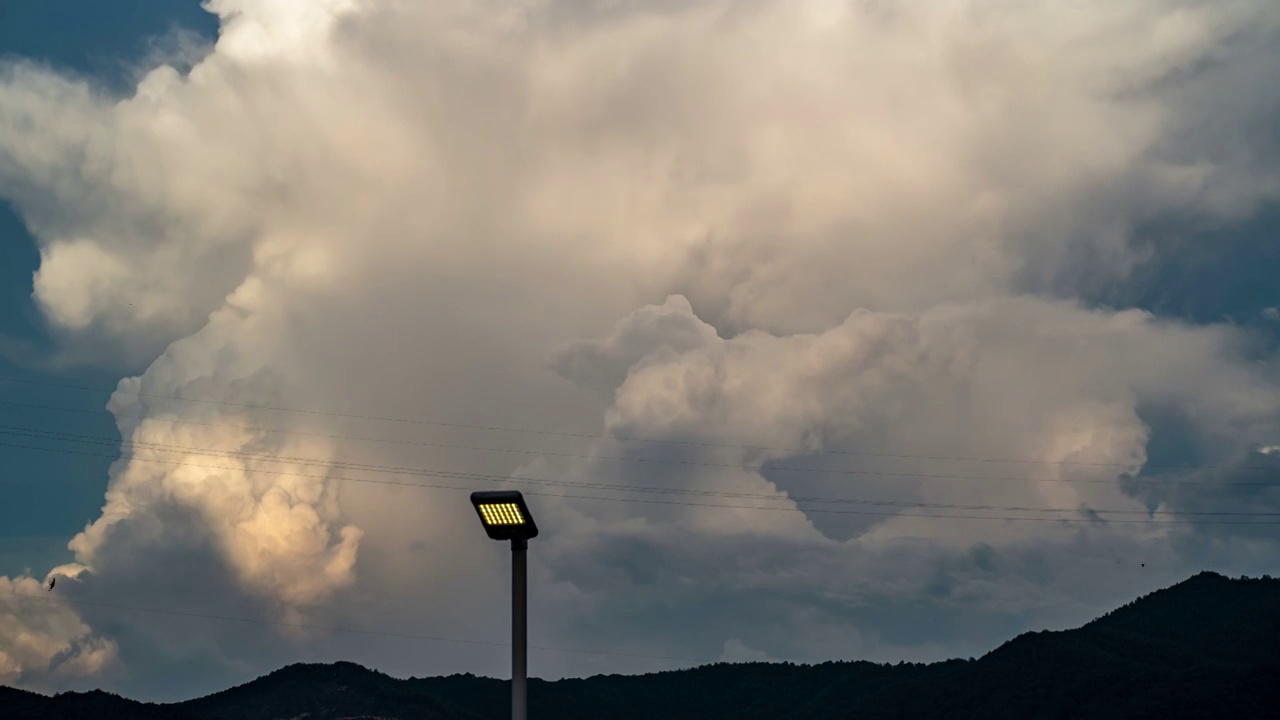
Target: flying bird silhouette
[{"x": 51, "y": 582}]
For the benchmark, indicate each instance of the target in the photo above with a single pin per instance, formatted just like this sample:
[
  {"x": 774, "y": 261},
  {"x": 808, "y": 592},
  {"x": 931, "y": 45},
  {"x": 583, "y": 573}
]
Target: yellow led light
[{"x": 502, "y": 514}]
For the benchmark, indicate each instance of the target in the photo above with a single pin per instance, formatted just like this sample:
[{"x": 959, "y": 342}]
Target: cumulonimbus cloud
[{"x": 821, "y": 225}]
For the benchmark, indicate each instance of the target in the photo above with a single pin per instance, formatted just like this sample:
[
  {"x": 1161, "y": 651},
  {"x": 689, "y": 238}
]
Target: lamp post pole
[
  {"x": 519, "y": 628},
  {"x": 505, "y": 516}
]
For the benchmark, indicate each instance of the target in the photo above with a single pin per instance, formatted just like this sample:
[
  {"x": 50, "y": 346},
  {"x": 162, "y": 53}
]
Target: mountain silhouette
[{"x": 1208, "y": 647}]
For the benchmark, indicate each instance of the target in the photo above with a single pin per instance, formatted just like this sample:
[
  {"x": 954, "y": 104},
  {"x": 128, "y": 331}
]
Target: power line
[
  {"x": 700, "y": 463},
  {"x": 613, "y": 438},
  {"x": 748, "y": 467},
  {"x": 500, "y": 478},
  {"x": 331, "y": 628},
  {"x": 57, "y": 435}
]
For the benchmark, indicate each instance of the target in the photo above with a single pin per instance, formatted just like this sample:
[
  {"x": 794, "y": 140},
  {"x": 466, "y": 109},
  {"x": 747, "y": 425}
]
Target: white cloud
[
  {"x": 838, "y": 226},
  {"x": 277, "y": 522},
  {"x": 43, "y": 640}
]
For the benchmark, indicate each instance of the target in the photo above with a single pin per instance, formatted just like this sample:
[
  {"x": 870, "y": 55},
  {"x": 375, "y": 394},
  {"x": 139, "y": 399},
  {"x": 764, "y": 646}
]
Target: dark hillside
[
  {"x": 321, "y": 692},
  {"x": 96, "y": 705},
  {"x": 1206, "y": 647}
]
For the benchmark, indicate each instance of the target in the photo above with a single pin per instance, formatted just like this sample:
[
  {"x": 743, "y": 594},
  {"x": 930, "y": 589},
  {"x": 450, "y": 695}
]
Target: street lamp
[{"x": 506, "y": 517}]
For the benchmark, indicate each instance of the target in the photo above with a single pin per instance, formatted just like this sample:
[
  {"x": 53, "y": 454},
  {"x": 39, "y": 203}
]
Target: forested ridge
[{"x": 1206, "y": 647}]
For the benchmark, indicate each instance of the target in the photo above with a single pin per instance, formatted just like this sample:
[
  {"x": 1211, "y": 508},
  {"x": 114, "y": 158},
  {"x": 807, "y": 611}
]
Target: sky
[{"x": 812, "y": 330}]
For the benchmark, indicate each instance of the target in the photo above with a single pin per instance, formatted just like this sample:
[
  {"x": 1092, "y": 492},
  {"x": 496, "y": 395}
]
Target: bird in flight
[{"x": 51, "y": 582}]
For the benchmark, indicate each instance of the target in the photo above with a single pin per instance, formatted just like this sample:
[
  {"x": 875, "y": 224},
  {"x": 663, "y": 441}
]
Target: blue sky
[{"x": 593, "y": 224}]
